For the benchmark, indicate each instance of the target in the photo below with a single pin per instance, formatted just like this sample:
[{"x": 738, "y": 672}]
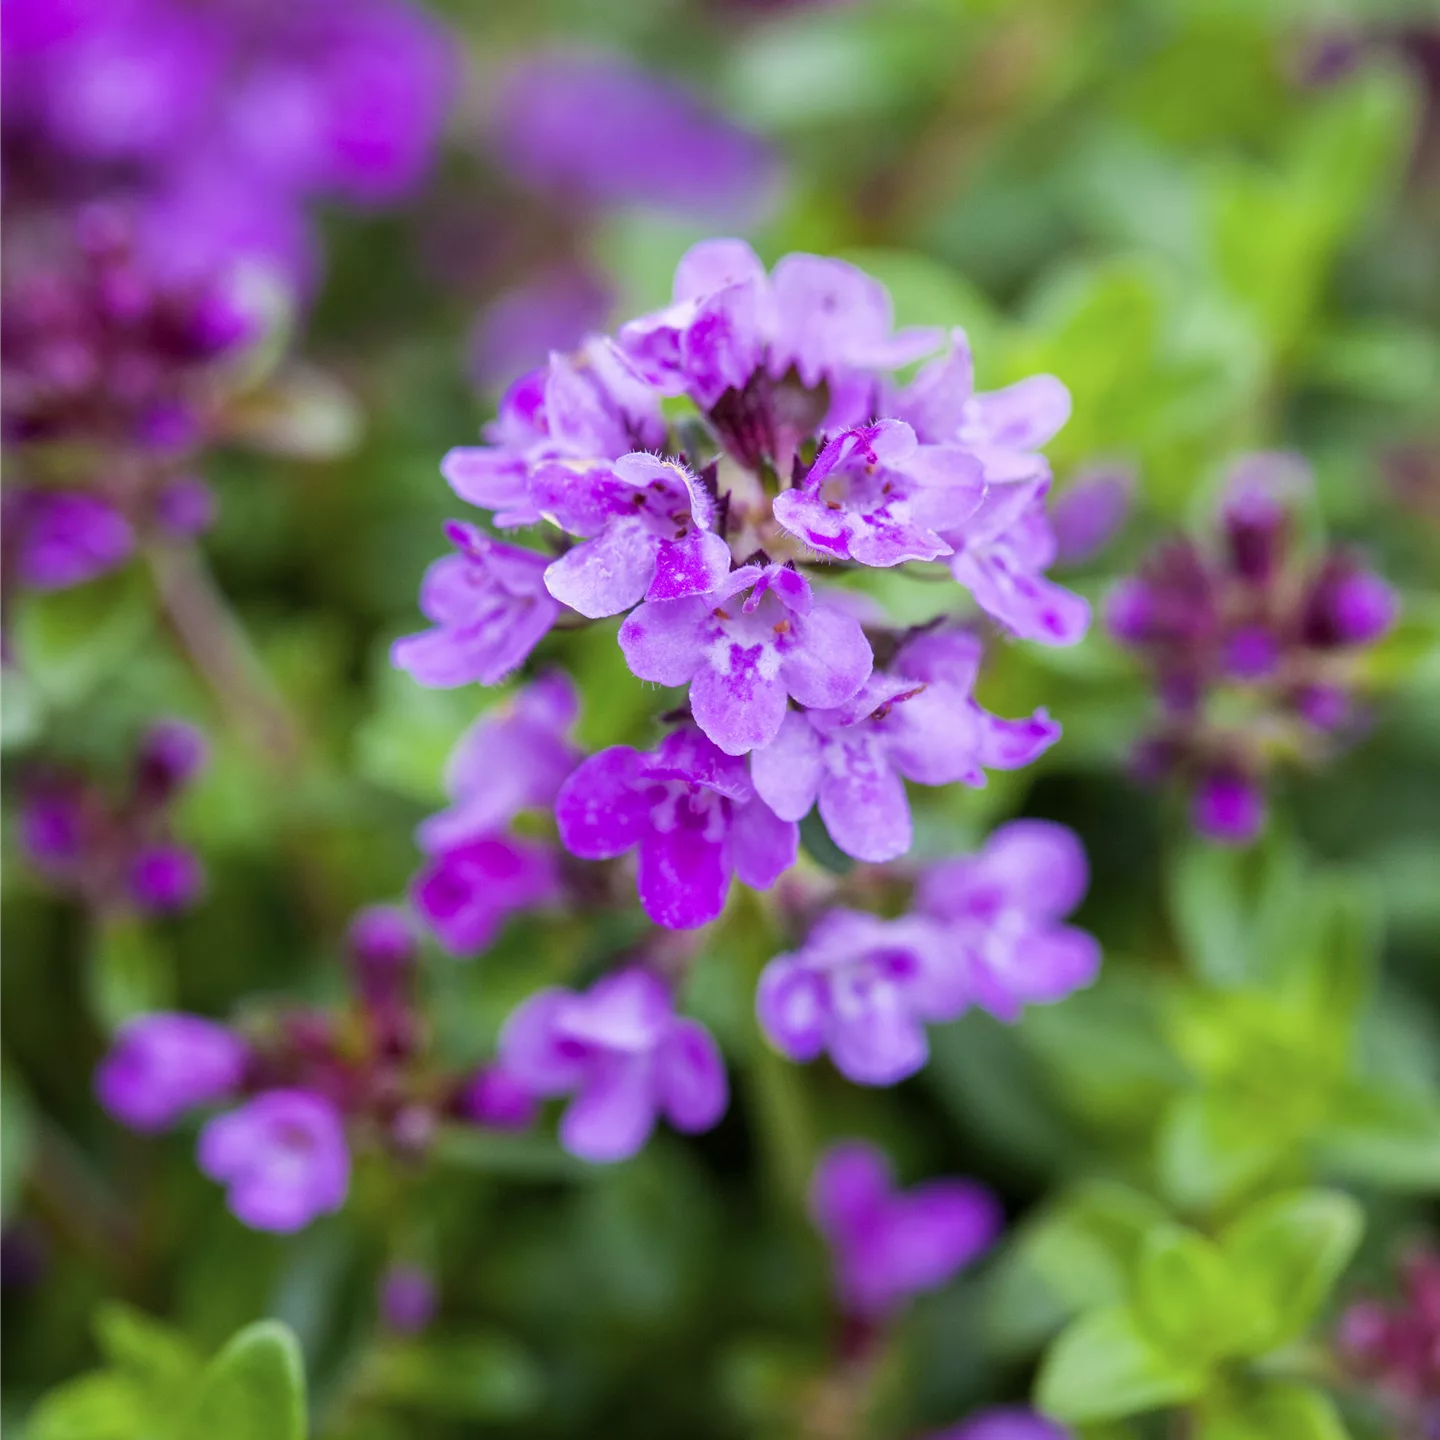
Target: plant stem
[{"x": 220, "y": 651}]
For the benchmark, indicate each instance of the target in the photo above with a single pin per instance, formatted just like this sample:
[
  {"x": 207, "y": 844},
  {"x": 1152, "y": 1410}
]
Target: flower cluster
[
  {"x": 1252, "y": 645},
  {"x": 158, "y": 161},
  {"x": 710, "y": 475},
  {"x": 118, "y": 854},
  {"x": 305, "y": 1085},
  {"x": 985, "y": 931},
  {"x": 227, "y": 118},
  {"x": 709, "y": 472},
  {"x": 1393, "y": 1349}
]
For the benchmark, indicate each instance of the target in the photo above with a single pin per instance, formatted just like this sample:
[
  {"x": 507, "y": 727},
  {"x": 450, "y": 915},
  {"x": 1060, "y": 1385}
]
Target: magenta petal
[
  {"x": 1022, "y": 416},
  {"x": 1039, "y": 865},
  {"x": 694, "y": 566},
  {"x": 494, "y": 479},
  {"x": 661, "y": 640},
  {"x": 739, "y": 709},
  {"x": 684, "y": 877},
  {"x": 849, "y": 1190},
  {"x": 1052, "y": 963},
  {"x": 830, "y": 660},
  {"x": 933, "y": 740},
  {"x": 605, "y": 575},
  {"x": 690, "y": 1078},
  {"x": 765, "y": 846},
  {"x": 937, "y": 1228},
  {"x": 1011, "y": 744},
  {"x": 882, "y": 1045},
  {"x": 791, "y": 1007},
  {"x": 786, "y": 772},
  {"x": 864, "y": 805},
  {"x": 534, "y": 1049},
  {"x": 613, "y": 1115},
  {"x": 601, "y": 810}
]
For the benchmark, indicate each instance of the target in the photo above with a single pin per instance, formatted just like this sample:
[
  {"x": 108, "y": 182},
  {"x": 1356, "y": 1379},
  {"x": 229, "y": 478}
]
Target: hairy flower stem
[{"x": 219, "y": 649}]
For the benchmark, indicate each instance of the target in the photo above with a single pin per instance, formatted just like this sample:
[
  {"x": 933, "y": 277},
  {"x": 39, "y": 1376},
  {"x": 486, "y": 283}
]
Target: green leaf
[
  {"x": 151, "y": 1353},
  {"x": 1331, "y": 971},
  {"x": 1182, "y": 1292},
  {"x": 1207, "y": 904},
  {"x": 1286, "y": 1253},
  {"x": 1214, "y": 1145},
  {"x": 100, "y": 1406},
  {"x": 1277, "y": 1412},
  {"x": 254, "y": 1389},
  {"x": 17, "y": 1131},
  {"x": 1384, "y": 1136},
  {"x": 474, "y": 1377},
  {"x": 1103, "y": 1367},
  {"x": 816, "y": 842},
  {"x": 70, "y": 641},
  {"x": 129, "y": 972},
  {"x": 22, "y": 717}
]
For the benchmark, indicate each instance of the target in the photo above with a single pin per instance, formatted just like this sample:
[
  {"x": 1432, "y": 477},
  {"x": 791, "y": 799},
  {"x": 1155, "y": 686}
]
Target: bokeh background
[{"x": 1217, "y": 222}]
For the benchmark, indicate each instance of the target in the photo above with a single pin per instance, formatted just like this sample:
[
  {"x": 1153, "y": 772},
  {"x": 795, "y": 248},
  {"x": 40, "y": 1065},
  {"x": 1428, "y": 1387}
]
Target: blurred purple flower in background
[
  {"x": 113, "y": 852},
  {"x": 1090, "y": 512},
  {"x": 862, "y": 989},
  {"x": 1253, "y": 617},
  {"x": 593, "y": 129},
  {"x": 889, "y": 1245},
  {"x": 163, "y": 1065},
  {"x": 282, "y": 1156},
  {"x": 408, "y": 1300},
  {"x": 1006, "y": 1423},
  {"x": 624, "y": 1054},
  {"x": 1000, "y": 912},
  {"x": 552, "y": 310}
]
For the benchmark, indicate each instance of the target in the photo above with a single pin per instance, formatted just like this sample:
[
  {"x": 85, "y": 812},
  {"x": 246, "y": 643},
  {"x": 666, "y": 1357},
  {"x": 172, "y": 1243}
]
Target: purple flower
[
  {"x": 186, "y": 507},
  {"x": 862, "y": 989},
  {"x": 383, "y": 948},
  {"x": 512, "y": 759},
  {"x": 1004, "y": 428},
  {"x": 68, "y": 538},
  {"x": 588, "y": 406},
  {"x": 594, "y": 129},
  {"x": 54, "y": 827},
  {"x": 490, "y": 608},
  {"x": 888, "y": 1245},
  {"x": 916, "y": 722},
  {"x": 1006, "y": 1423},
  {"x": 164, "y": 1064},
  {"x": 822, "y": 318},
  {"x": 553, "y": 310},
  {"x": 692, "y": 813},
  {"x": 624, "y": 1054},
  {"x": 1348, "y": 605},
  {"x": 742, "y": 658},
  {"x": 494, "y": 1098},
  {"x": 1089, "y": 514},
  {"x": 172, "y": 754},
  {"x": 1228, "y": 807},
  {"x": 466, "y": 892},
  {"x": 166, "y": 878},
  {"x": 651, "y": 523},
  {"x": 876, "y": 497},
  {"x": 1000, "y": 556},
  {"x": 407, "y": 1299},
  {"x": 283, "y": 1157},
  {"x": 1001, "y": 911}
]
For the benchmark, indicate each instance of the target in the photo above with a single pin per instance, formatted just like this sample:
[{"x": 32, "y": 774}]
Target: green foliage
[
  {"x": 155, "y": 1387},
  {"x": 1197, "y": 1310}
]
